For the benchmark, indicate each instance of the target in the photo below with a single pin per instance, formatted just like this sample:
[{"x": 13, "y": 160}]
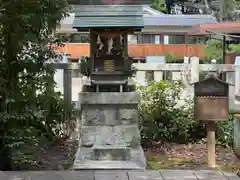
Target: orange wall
[
  {"x": 141, "y": 50},
  {"x": 75, "y": 49}
]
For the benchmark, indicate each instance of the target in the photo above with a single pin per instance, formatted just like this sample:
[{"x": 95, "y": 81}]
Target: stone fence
[
  {"x": 69, "y": 80},
  {"x": 189, "y": 73}
]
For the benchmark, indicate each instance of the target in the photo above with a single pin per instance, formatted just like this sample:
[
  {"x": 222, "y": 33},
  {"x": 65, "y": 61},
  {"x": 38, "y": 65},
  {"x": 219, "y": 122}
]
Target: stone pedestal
[{"x": 110, "y": 137}]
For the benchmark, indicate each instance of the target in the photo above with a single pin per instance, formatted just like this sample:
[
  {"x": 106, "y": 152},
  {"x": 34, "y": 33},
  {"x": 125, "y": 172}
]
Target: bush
[
  {"x": 224, "y": 131},
  {"x": 37, "y": 125},
  {"x": 164, "y": 119}
]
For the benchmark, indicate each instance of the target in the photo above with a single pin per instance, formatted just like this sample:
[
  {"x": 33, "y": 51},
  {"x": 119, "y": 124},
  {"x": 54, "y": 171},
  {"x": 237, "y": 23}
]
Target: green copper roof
[{"x": 93, "y": 16}]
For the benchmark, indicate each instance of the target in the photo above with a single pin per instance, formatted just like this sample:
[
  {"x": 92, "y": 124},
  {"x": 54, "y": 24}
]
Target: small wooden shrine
[
  {"x": 109, "y": 23},
  {"x": 110, "y": 137}
]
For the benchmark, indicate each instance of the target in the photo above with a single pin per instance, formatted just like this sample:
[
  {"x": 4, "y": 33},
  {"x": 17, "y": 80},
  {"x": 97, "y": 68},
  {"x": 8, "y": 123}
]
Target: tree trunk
[{"x": 5, "y": 155}]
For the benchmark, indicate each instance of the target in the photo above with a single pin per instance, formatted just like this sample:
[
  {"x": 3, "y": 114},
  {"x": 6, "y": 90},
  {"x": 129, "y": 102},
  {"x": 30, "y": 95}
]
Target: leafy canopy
[{"x": 26, "y": 85}]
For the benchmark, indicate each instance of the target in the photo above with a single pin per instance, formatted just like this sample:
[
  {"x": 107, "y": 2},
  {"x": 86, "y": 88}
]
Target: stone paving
[{"x": 118, "y": 175}]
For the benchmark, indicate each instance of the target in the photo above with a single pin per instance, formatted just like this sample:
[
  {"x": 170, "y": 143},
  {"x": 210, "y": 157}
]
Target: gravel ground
[
  {"x": 60, "y": 156},
  {"x": 190, "y": 156}
]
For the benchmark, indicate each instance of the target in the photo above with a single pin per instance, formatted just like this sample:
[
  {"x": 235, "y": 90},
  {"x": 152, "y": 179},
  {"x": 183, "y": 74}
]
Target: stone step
[
  {"x": 111, "y": 152},
  {"x": 106, "y": 165},
  {"x": 115, "y": 146}
]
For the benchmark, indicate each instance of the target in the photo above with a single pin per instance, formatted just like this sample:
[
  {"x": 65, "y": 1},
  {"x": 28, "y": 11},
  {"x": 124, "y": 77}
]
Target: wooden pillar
[
  {"x": 161, "y": 38},
  {"x": 223, "y": 74},
  {"x": 211, "y": 128},
  {"x": 93, "y": 39},
  {"x": 125, "y": 48},
  {"x": 67, "y": 85},
  {"x": 125, "y": 44},
  {"x": 224, "y": 49},
  {"x": 138, "y": 38}
]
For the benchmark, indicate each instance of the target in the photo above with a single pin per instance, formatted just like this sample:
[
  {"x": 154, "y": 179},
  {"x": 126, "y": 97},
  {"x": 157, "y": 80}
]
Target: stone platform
[
  {"x": 119, "y": 175},
  {"x": 109, "y": 133}
]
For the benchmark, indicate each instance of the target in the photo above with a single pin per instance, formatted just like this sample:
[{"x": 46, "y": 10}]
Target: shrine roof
[{"x": 94, "y": 16}]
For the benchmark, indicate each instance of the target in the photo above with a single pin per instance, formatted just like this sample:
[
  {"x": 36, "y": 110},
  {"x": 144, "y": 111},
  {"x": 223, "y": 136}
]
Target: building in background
[{"x": 163, "y": 34}]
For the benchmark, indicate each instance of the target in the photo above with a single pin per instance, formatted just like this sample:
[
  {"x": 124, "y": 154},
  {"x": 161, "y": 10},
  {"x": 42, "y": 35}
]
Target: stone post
[
  {"x": 194, "y": 69},
  {"x": 186, "y": 60},
  {"x": 237, "y": 79},
  {"x": 178, "y": 75},
  {"x": 237, "y": 85},
  {"x": 158, "y": 76},
  {"x": 141, "y": 78}
]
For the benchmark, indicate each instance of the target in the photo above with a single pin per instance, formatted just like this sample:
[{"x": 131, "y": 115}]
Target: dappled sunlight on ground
[
  {"x": 60, "y": 156},
  {"x": 190, "y": 156}
]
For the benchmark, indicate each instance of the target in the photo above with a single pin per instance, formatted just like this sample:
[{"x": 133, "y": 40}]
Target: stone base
[
  {"x": 107, "y": 165},
  {"x": 110, "y": 137}
]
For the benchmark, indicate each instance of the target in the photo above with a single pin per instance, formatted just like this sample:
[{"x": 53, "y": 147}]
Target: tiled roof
[
  {"x": 108, "y": 16},
  {"x": 177, "y": 20},
  {"x": 150, "y": 18},
  {"x": 223, "y": 27}
]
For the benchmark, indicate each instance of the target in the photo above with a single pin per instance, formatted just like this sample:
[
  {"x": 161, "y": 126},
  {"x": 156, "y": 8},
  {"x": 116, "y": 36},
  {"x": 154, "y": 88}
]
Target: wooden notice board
[{"x": 109, "y": 65}]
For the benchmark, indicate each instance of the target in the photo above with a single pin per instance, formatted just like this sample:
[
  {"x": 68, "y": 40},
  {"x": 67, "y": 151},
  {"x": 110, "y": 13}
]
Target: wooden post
[
  {"x": 224, "y": 50},
  {"x": 125, "y": 49},
  {"x": 211, "y": 128},
  {"x": 138, "y": 38},
  {"x": 67, "y": 85},
  {"x": 93, "y": 46}
]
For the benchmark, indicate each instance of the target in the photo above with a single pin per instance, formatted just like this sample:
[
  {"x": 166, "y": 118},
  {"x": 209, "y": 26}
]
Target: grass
[
  {"x": 160, "y": 161},
  {"x": 155, "y": 164}
]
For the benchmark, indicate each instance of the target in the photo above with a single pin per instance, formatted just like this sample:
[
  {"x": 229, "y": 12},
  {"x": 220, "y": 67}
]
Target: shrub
[
  {"x": 163, "y": 118},
  {"x": 85, "y": 68},
  {"x": 224, "y": 131}
]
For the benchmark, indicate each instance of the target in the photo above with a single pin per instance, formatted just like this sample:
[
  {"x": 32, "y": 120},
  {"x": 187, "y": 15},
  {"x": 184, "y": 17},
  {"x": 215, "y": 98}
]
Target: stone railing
[
  {"x": 69, "y": 82},
  {"x": 189, "y": 73},
  {"x": 186, "y": 71}
]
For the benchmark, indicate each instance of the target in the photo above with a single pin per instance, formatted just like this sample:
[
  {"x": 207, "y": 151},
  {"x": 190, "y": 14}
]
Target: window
[
  {"x": 132, "y": 39},
  {"x": 157, "y": 39},
  {"x": 176, "y": 39},
  {"x": 192, "y": 40},
  {"x": 79, "y": 38},
  {"x": 150, "y": 39},
  {"x": 145, "y": 39},
  {"x": 165, "y": 40},
  {"x": 196, "y": 39}
]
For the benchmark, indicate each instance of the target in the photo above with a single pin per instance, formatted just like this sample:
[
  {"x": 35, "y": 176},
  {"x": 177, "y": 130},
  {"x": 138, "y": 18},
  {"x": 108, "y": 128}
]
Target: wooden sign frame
[{"x": 211, "y": 104}]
